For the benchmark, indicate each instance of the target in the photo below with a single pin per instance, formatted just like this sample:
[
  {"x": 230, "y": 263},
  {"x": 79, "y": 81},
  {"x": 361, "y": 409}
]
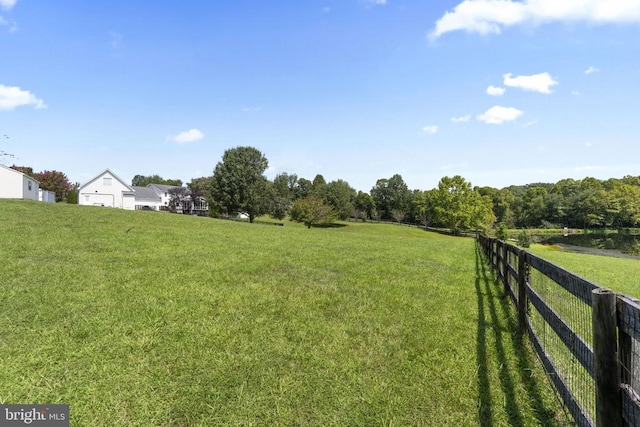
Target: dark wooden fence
[{"x": 587, "y": 337}]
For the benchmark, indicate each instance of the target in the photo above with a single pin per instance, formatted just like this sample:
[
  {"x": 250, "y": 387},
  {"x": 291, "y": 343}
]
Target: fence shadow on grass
[{"x": 493, "y": 305}]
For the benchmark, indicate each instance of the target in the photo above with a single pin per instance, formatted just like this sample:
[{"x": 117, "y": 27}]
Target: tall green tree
[
  {"x": 365, "y": 206},
  {"x": 391, "y": 195},
  {"x": 424, "y": 207},
  {"x": 281, "y": 194},
  {"x": 457, "y": 206},
  {"x": 239, "y": 184},
  {"x": 339, "y": 195}
]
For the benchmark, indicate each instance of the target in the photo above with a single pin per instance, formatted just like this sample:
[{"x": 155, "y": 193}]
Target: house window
[
  {"x": 29, "y": 185},
  {"x": 106, "y": 181}
]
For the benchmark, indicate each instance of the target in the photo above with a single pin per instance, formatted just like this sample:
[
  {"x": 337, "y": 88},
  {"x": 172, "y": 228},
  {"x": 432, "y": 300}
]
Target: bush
[
  {"x": 311, "y": 211},
  {"x": 524, "y": 239},
  {"x": 501, "y": 232}
]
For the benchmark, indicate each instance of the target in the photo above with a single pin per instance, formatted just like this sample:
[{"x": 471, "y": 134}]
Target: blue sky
[{"x": 501, "y": 92}]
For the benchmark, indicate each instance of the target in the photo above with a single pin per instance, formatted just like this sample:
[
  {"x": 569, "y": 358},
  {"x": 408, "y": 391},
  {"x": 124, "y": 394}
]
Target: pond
[{"x": 620, "y": 244}]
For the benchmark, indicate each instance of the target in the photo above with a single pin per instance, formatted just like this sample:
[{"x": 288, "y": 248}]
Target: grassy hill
[{"x": 147, "y": 318}]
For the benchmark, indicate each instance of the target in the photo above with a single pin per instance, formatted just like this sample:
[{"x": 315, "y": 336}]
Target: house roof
[
  {"x": 146, "y": 193},
  {"x": 19, "y": 173},
  {"x": 101, "y": 174},
  {"x": 163, "y": 188}
]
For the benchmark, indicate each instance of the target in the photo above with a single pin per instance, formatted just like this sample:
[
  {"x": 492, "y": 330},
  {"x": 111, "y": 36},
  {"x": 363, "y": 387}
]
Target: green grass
[
  {"x": 618, "y": 274},
  {"x": 145, "y": 318}
]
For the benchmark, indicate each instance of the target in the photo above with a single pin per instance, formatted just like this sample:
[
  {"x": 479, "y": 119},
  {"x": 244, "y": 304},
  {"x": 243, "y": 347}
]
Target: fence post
[
  {"x": 522, "y": 292},
  {"x": 605, "y": 359}
]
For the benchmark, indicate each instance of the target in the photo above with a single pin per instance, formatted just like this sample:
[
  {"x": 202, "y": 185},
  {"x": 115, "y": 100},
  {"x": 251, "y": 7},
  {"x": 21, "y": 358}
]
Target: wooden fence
[{"x": 587, "y": 337}]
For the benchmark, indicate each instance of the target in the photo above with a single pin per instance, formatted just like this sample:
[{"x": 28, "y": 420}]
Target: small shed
[{"x": 17, "y": 185}]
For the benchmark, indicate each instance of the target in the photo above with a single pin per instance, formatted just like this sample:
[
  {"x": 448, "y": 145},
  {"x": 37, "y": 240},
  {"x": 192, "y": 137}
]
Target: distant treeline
[
  {"x": 238, "y": 185},
  {"x": 454, "y": 204},
  {"x": 586, "y": 203}
]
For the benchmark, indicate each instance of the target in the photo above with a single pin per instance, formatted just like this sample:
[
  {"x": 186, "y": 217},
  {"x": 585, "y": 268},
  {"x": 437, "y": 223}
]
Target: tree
[
  {"x": 391, "y": 194},
  {"x": 365, "y": 206},
  {"x": 339, "y": 195},
  {"x": 200, "y": 187},
  {"x": 312, "y": 211},
  {"x": 239, "y": 184},
  {"x": 24, "y": 169},
  {"x": 143, "y": 181},
  {"x": 305, "y": 188},
  {"x": 457, "y": 206},
  {"x": 54, "y": 181},
  {"x": 72, "y": 197},
  {"x": 179, "y": 198},
  {"x": 424, "y": 202}
]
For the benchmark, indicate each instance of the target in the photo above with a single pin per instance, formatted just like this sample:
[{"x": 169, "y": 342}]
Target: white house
[
  {"x": 162, "y": 191},
  {"x": 107, "y": 189},
  {"x": 17, "y": 185},
  {"x": 147, "y": 199},
  {"x": 187, "y": 203}
]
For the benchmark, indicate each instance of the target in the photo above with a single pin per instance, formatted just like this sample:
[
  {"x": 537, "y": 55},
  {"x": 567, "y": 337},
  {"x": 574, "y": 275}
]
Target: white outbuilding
[
  {"x": 107, "y": 189},
  {"x": 17, "y": 185}
]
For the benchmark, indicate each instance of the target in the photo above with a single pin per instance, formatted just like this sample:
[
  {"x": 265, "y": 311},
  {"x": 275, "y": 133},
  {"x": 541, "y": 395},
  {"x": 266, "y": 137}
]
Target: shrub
[{"x": 524, "y": 239}]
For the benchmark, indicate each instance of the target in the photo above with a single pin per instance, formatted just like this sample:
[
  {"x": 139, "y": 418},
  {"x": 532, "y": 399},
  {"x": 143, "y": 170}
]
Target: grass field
[
  {"x": 146, "y": 318},
  {"x": 618, "y": 274}
]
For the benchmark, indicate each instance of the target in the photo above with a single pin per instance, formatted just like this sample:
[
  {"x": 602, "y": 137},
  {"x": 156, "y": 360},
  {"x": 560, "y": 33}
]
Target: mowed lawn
[
  {"x": 147, "y": 318},
  {"x": 618, "y": 274}
]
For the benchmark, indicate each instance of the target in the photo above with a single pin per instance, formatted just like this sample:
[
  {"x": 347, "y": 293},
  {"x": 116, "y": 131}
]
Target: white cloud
[
  {"x": 251, "y": 109},
  {"x": 495, "y": 91},
  {"x": 537, "y": 82},
  {"x": 7, "y": 4},
  {"x": 187, "y": 136},
  {"x": 430, "y": 130},
  {"x": 377, "y": 1},
  {"x": 530, "y": 123},
  {"x": 497, "y": 115},
  {"x": 12, "y": 97},
  {"x": 575, "y": 92},
  {"x": 490, "y": 16},
  {"x": 13, "y": 27},
  {"x": 461, "y": 119},
  {"x": 591, "y": 70}
]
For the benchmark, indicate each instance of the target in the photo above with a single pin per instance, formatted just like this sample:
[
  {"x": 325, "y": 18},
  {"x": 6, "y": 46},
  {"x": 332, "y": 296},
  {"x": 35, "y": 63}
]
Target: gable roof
[
  {"x": 130, "y": 188},
  {"x": 145, "y": 193},
  {"x": 19, "y": 173},
  {"x": 163, "y": 187}
]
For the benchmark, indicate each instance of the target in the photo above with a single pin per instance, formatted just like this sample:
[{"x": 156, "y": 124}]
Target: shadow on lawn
[{"x": 493, "y": 302}]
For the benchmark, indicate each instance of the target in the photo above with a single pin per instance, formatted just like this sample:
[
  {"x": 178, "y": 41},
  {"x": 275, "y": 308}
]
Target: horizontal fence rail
[{"x": 587, "y": 337}]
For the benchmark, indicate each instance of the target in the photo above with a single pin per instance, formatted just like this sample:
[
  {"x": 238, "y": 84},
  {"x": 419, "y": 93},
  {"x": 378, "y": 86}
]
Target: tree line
[{"x": 238, "y": 184}]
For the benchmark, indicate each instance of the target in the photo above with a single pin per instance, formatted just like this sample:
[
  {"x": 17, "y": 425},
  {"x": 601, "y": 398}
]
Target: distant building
[
  {"x": 108, "y": 190},
  {"x": 46, "y": 196},
  {"x": 17, "y": 185},
  {"x": 147, "y": 199}
]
